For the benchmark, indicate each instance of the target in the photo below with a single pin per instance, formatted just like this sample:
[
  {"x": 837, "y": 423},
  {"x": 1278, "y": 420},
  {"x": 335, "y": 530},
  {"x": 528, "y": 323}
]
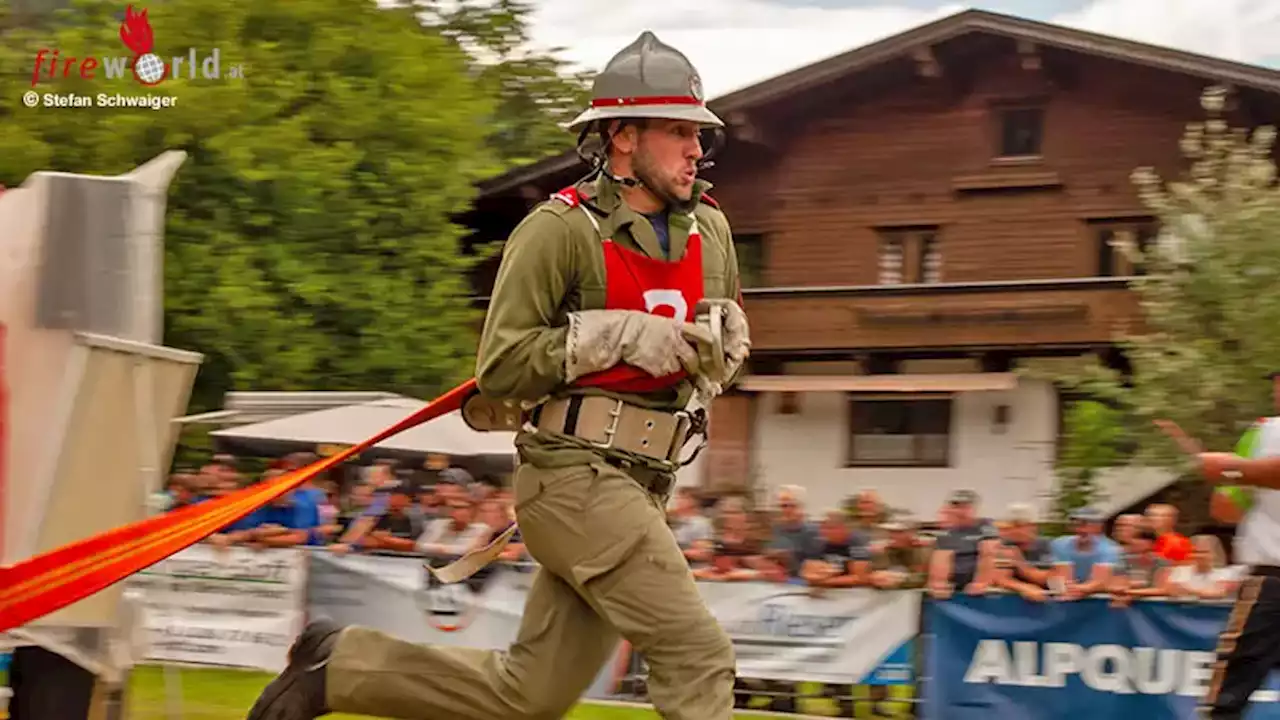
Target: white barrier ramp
[{"x": 86, "y": 422}]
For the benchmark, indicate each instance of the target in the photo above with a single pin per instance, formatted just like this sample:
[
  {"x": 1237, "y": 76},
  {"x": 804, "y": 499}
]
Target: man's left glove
[{"x": 720, "y": 361}]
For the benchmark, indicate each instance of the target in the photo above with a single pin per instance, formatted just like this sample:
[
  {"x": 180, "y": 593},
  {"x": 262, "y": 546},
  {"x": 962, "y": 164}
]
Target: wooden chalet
[{"x": 916, "y": 219}]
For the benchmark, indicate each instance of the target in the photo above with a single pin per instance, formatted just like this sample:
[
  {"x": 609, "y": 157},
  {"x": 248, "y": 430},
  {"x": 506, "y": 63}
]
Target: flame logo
[{"x": 135, "y": 32}]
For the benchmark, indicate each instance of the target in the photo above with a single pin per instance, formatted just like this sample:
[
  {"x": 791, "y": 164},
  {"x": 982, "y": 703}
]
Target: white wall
[{"x": 808, "y": 448}]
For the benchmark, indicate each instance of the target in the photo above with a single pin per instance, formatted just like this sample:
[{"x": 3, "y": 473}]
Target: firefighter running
[{"x": 593, "y": 328}]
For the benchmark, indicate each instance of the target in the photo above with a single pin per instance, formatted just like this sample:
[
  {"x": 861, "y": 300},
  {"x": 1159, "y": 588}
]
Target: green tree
[
  {"x": 536, "y": 91},
  {"x": 1210, "y": 297},
  {"x": 309, "y": 243},
  {"x": 1094, "y": 438}
]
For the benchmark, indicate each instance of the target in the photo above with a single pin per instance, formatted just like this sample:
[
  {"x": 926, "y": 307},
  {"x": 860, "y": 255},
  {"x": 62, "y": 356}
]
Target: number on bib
[{"x": 674, "y": 299}]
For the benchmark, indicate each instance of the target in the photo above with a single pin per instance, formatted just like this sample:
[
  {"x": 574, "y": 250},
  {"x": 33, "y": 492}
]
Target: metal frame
[
  {"x": 72, "y": 379},
  {"x": 72, "y": 383}
]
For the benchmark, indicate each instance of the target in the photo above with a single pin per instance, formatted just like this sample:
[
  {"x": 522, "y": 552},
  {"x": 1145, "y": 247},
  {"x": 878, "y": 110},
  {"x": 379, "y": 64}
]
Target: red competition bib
[{"x": 634, "y": 281}]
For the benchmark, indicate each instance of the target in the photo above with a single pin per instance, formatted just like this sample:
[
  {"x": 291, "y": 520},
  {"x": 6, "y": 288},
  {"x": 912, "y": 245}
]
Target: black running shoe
[{"x": 297, "y": 693}]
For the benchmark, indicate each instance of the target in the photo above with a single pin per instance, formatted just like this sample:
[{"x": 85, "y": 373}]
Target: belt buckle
[
  {"x": 684, "y": 424},
  {"x": 689, "y": 425},
  {"x": 611, "y": 430}
]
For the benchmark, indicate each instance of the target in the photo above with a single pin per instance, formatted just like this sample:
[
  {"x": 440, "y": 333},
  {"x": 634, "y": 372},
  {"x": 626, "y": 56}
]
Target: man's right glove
[
  {"x": 721, "y": 361},
  {"x": 600, "y": 339}
]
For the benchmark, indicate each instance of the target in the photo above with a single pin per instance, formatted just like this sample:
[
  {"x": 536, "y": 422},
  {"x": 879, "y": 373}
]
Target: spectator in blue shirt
[
  {"x": 286, "y": 522},
  {"x": 1086, "y": 561},
  {"x": 308, "y": 497}
]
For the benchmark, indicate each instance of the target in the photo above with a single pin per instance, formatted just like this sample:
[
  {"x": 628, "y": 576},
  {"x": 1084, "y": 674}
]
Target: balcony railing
[{"x": 992, "y": 314}]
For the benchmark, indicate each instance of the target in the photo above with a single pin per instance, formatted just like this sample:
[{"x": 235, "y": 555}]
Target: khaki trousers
[{"x": 610, "y": 567}]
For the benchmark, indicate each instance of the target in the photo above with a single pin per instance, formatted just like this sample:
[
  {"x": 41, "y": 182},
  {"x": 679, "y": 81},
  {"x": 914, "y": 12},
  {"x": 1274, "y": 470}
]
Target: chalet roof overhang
[
  {"x": 912, "y": 41},
  {"x": 893, "y": 383}
]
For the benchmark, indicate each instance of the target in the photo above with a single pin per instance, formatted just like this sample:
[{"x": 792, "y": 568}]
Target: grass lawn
[{"x": 216, "y": 694}]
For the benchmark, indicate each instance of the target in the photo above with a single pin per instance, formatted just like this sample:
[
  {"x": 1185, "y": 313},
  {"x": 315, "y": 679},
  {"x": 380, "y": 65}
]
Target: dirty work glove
[
  {"x": 600, "y": 339},
  {"x": 734, "y": 345}
]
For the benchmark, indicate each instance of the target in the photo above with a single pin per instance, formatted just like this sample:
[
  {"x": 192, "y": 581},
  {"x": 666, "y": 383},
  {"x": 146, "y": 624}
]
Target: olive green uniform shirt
[
  {"x": 552, "y": 265},
  {"x": 913, "y": 561}
]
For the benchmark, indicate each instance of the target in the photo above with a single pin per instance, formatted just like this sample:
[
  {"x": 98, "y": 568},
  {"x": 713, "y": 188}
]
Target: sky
[{"x": 737, "y": 43}]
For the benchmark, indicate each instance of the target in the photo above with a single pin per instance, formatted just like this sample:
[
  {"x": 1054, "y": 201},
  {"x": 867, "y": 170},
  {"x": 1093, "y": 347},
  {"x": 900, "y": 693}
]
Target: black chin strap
[{"x": 596, "y": 158}]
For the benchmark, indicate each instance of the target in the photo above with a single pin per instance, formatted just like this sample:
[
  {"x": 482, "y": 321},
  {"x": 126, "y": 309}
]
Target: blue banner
[
  {"x": 1003, "y": 658},
  {"x": 897, "y": 669}
]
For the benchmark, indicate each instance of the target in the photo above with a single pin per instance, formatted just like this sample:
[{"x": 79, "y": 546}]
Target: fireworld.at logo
[{"x": 144, "y": 64}]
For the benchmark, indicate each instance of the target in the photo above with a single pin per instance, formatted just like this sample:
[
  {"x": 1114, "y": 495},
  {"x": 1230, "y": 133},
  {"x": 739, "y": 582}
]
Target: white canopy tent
[{"x": 322, "y": 430}]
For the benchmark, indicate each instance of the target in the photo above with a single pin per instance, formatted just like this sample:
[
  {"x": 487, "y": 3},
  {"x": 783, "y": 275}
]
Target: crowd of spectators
[
  {"x": 377, "y": 508},
  {"x": 861, "y": 545},
  {"x": 733, "y": 538}
]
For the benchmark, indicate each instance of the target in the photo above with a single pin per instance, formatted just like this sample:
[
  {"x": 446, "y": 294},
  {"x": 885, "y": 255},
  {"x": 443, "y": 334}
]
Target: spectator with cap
[
  {"x": 965, "y": 551},
  {"x": 1024, "y": 560},
  {"x": 902, "y": 561},
  {"x": 451, "y": 484},
  {"x": 1086, "y": 560}
]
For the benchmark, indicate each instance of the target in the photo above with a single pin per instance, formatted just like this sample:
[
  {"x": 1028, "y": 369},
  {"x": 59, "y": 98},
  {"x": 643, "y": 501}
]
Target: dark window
[
  {"x": 750, "y": 249},
  {"x": 1106, "y": 252},
  {"x": 899, "y": 433},
  {"x": 1110, "y": 239},
  {"x": 1021, "y": 132}
]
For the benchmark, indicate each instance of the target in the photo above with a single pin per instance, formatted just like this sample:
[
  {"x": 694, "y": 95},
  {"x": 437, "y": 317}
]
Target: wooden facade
[{"x": 950, "y": 192}]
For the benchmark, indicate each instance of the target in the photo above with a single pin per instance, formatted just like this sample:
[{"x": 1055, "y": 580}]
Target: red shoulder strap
[
  {"x": 569, "y": 196},
  {"x": 709, "y": 200}
]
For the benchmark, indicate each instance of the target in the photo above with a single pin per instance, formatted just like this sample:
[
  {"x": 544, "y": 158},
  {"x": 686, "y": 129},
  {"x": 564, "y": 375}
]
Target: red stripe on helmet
[{"x": 652, "y": 100}]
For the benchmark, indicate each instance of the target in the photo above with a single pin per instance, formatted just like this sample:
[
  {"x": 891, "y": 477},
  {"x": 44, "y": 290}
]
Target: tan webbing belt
[
  {"x": 471, "y": 563},
  {"x": 615, "y": 425},
  {"x": 605, "y": 423}
]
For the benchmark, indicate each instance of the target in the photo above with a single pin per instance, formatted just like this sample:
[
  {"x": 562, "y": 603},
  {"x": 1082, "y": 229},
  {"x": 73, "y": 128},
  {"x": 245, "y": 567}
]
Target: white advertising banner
[
  {"x": 780, "y": 632},
  {"x": 223, "y": 606},
  {"x": 786, "y": 633},
  {"x": 391, "y": 594}
]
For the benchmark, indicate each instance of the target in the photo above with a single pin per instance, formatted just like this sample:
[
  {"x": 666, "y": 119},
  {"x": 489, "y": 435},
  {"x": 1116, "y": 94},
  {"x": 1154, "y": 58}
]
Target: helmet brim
[{"x": 694, "y": 113}]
